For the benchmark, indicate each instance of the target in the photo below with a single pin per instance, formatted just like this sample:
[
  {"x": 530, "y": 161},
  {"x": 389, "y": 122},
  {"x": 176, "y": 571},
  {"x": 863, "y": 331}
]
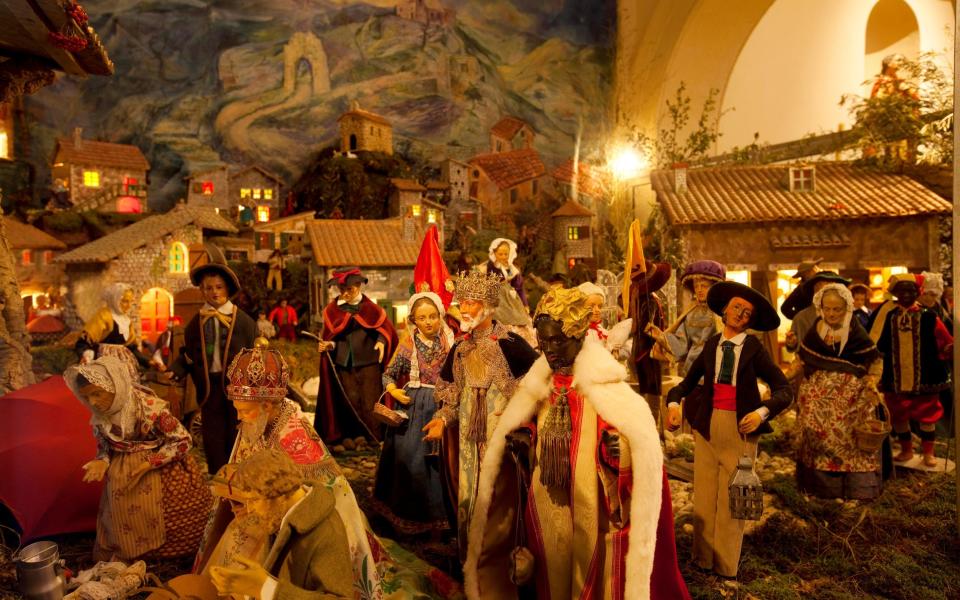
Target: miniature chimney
[
  {"x": 77, "y": 137},
  {"x": 354, "y": 105},
  {"x": 680, "y": 178}
]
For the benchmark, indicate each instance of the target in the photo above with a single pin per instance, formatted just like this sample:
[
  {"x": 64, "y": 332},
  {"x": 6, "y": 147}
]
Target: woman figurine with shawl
[
  {"x": 841, "y": 368},
  {"x": 111, "y": 331},
  {"x": 155, "y": 501},
  {"x": 512, "y": 310},
  {"x": 408, "y": 491}
]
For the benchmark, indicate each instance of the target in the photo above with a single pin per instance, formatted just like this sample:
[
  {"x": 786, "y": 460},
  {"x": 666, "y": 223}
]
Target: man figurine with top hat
[
  {"x": 360, "y": 339},
  {"x": 211, "y": 339},
  {"x": 476, "y": 382},
  {"x": 727, "y": 416}
]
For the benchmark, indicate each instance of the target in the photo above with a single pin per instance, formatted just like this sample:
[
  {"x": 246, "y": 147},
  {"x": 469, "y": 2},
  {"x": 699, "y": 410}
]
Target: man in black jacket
[
  {"x": 727, "y": 416},
  {"x": 210, "y": 341}
]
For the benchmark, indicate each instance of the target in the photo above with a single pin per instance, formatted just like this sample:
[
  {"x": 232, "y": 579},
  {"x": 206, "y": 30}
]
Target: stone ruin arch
[{"x": 303, "y": 45}]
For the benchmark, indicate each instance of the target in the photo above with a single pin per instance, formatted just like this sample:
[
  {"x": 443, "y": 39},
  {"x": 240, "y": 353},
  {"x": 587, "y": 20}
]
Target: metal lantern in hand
[{"x": 746, "y": 492}]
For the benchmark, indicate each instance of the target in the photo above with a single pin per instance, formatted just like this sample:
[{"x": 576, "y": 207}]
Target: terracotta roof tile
[
  {"x": 590, "y": 183},
  {"x": 507, "y": 169},
  {"x": 23, "y": 236},
  {"x": 407, "y": 185},
  {"x": 364, "y": 243},
  {"x": 761, "y": 194},
  {"x": 365, "y": 114},
  {"x": 572, "y": 208},
  {"x": 142, "y": 232},
  {"x": 507, "y": 127},
  {"x": 100, "y": 154}
]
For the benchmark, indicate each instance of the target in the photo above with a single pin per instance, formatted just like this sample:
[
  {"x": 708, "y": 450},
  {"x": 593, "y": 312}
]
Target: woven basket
[
  {"x": 388, "y": 416},
  {"x": 871, "y": 433}
]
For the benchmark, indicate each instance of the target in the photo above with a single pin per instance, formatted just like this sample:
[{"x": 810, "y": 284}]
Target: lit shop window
[{"x": 91, "y": 178}]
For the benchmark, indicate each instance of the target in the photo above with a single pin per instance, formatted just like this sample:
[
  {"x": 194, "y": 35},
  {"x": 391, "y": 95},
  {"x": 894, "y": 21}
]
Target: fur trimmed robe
[{"x": 599, "y": 380}]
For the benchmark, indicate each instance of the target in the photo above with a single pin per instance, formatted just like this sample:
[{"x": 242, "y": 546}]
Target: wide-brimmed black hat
[
  {"x": 216, "y": 265},
  {"x": 347, "y": 276},
  {"x": 828, "y": 276},
  {"x": 765, "y": 318}
]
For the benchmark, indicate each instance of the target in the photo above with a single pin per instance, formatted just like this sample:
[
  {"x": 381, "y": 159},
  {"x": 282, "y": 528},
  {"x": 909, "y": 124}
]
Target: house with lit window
[
  {"x": 364, "y": 131},
  {"x": 210, "y": 189},
  {"x": 410, "y": 200},
  {"x": 34, "y": 252},
  {"x": 101, "y": 176},
  {"x": 255, "y": 192},
  {"x": 504, "y": 182},
  {"x": 572, "y": 224},
  {"x": 153, "y": 256},
  {"x": 286, "y": 233},
  {"x": 761, "y": 221}
]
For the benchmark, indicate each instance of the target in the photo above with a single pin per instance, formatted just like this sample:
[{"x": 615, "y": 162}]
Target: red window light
[{"x": 207, "y": 188}]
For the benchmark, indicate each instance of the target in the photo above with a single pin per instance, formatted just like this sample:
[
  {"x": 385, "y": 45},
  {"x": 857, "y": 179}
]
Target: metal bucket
[{"x": 39, "y": 571}]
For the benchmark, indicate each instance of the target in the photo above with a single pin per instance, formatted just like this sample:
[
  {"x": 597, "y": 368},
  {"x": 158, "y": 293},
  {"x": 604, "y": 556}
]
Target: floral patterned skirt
[{"x": 830, "y": 406}]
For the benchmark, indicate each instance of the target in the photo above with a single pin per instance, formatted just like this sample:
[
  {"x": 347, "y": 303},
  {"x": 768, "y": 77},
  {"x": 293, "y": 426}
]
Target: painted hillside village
[{"x": 397, "y": 299}]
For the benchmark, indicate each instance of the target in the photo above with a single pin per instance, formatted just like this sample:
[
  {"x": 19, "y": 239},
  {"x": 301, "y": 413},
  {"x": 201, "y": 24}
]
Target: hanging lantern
[{"x": 746, "y": 492}]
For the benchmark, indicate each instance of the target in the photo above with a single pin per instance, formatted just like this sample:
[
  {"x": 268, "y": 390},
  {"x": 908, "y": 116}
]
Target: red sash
[{"x": 724, "y": 396}]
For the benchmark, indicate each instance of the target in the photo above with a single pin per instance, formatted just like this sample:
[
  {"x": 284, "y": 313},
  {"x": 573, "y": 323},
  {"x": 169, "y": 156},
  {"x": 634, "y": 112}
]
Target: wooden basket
[
  {"x": 388, "y": 416},
  {"x": 871, "y": 433}
]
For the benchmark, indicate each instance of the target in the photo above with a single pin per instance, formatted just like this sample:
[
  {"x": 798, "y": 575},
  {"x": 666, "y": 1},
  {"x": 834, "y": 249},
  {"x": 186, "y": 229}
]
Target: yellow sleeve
[{"x": 99, "y": 326}]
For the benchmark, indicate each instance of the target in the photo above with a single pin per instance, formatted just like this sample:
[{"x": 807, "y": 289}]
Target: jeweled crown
[
  {"x": 258, "y": 374},
  {"x": 478, "y": 286}
]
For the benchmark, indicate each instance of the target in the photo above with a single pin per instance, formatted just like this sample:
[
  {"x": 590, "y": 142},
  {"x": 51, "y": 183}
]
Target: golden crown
[
  {"x": 478, "y": 286},
  {"x": 258, "y": 374}
]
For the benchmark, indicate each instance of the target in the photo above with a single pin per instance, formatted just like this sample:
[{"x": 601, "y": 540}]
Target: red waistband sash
[{"x": 724, "y": 396}]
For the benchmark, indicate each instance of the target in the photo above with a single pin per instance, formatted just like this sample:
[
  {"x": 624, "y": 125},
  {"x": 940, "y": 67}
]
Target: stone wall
[
  {"x": 221, "y": 190},
  {"x": 111, "y": 186},
  {"x": 581, "y": 248},
  {"x": 371, "y": 136},
  {"x": 907, "y": 241}
]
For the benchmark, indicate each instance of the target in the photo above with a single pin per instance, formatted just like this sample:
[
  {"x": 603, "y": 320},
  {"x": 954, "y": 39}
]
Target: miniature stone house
[
  {"x": 409, "y": 201},
  {"x": 364, "y": 131},
  {"x": 153, "y": 256},
  {"x": 572, "y": 235},
  {"x": 587, "y": 187},
  {"x": 255, "y": 192},
  {"x": 510, "y": 133},
  {"x": 34, "y": 252},
  {"x": 504, "y": 182},
  {"x": 210, "y": 189},
  {"x": 101, "y": 175},
  {"x": 287, "y": 234}
]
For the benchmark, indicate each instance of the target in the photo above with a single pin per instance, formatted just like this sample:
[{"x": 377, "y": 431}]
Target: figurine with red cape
[{"x": 360, "y": 339}]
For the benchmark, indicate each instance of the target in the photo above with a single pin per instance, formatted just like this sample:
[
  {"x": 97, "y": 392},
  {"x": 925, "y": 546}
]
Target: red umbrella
[{"x": 45, "y": 438}]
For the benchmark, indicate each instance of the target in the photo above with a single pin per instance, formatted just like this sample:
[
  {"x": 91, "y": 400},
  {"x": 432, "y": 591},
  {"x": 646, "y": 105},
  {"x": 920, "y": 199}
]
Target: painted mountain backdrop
[{"x": 200, "y": 83}]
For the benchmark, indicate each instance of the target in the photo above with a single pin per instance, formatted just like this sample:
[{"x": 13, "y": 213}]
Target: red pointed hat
[{"x": 430, "y": 273}]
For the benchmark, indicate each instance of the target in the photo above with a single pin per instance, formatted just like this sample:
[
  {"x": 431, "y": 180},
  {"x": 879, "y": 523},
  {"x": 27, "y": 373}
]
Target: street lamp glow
[{"x": 627, "y": 164}]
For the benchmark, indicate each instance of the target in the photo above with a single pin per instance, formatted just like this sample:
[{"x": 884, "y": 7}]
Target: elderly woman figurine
[
  {"x": 156, "y": 500},
  {"x": 841, "y": 368},
  {"x": 502, "y": 254},
  {"x": 111, "y": 331}
]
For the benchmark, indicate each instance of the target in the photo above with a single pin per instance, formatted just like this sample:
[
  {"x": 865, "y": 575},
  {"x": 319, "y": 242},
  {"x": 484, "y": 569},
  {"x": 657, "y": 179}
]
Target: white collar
[
  {"x": 737, "y": 339},
  {"x": 226, "y": 308},
  {"x": 353, "y": 302}
]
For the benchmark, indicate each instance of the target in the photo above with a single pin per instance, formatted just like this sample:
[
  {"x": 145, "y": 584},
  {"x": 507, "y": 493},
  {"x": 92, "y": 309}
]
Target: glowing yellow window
[
  {"x": 263, "y": 214},
  {"x": 245, "y": 192},
  {"x": 4, "y": 149},
  {"x": 415, "y": 209},
  {"x": 91, "y": 178},
  {"x": 256, "y": 193},
  {"x": 573, "y": 233},
  {"x": 431, "y": 216},
  {"x": 179, "y": 258},
  {"x": 268, "y": 194}
]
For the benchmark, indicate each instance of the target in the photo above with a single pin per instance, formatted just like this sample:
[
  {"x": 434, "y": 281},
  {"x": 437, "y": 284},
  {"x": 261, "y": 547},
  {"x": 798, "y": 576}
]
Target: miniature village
[{"x": 331, "y": 299}]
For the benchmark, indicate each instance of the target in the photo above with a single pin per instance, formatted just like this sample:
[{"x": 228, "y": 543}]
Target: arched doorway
[
  {"x": 353, "y": 142},
  {"x": 892, "y": 28},
  {"x": 156, "y": 308}
]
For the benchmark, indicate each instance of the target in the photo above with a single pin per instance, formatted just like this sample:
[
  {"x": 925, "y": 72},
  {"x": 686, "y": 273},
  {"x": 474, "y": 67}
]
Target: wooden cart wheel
[{"x": 196, "y": 430}]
